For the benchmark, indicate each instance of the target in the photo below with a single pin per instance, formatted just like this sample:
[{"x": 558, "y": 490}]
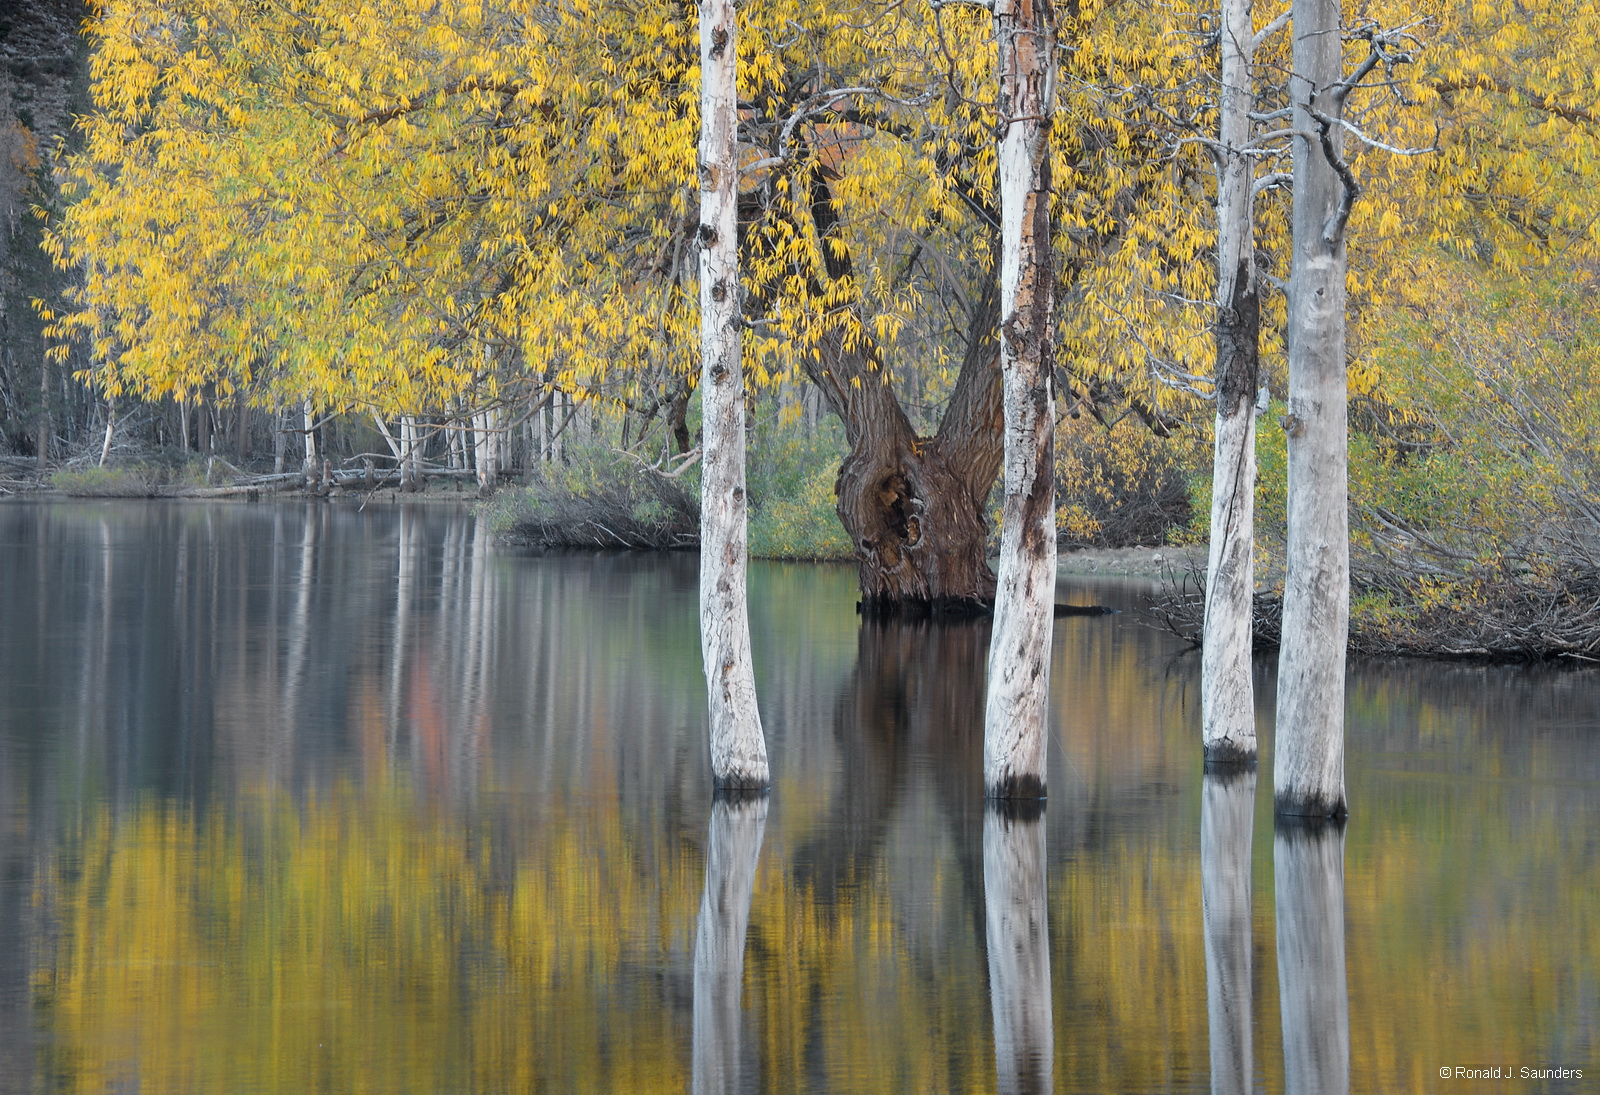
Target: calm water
[{"x": 300, "y": 799}]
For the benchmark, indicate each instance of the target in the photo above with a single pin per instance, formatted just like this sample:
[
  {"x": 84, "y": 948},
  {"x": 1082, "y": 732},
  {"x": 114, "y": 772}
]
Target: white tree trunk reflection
[
  {"x": 1017, "y": 931},
  {"x": 1308, "y": 862},
  {"x": 737, "y": 825},
  {"x": 1226, "y": 824}
]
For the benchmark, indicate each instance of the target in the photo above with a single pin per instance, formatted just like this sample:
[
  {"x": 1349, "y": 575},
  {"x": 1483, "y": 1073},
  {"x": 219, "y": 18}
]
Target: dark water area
[{"x": 303, "y": 799}]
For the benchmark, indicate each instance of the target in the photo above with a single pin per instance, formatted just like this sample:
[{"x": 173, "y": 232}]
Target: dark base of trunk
[
  {"x": 919, "y": 532},
  {"x": 1017, "y": 787},
  {"x": 923, "y": 608},
  {"x": 1308, "y": 809},
  {"x": 1226, "y": 758}
]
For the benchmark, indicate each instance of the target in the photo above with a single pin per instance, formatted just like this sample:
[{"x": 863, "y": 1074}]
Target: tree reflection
[
  {"x": 1018, "y": 937},
  {"x": 1308, "y": 864},
  {"x": 1226, "y": 821},
  {"x": 737, "y": 824}
]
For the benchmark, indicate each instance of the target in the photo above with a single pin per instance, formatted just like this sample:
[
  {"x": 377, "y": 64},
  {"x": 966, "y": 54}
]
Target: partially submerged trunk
[
  {"x": 1308, "y": 775},
  {"x": 913, "y": 506},
  {"x": 1019, "y": 651},
  {"x": 1227, "y": 698},
  {"x": 738, "y": 747}
]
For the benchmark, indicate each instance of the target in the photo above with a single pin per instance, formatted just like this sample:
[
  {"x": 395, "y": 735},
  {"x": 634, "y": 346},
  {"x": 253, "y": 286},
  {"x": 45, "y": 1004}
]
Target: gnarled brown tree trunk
[{"x": 913, "y": 506}]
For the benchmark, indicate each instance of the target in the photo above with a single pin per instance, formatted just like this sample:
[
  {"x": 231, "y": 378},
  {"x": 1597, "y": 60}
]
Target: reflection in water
[
  {"x": 737, "y": 823},
  {"x": 1227, "y": 805},
  {"x": 1308, "y": 869},
  {"x": 299, "y": 799},
  {"x": 1017, "y": 931}
]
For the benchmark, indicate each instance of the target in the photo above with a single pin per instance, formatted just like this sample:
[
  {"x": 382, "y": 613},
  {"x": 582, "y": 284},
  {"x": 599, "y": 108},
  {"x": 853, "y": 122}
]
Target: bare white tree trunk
[
  {"x": 499, "y": 444},
  {"x": 482, "y": 455},
  {"x": 280, "y": 441},
  {"x": 1308, "y": 875},
  {"x": 111, "y": 430},
  {"x": 738, "y": 746},
  {"x": 1019, "y": 650},
  {"x": 409, "y": 439},
  {"x": 1308, "y": 775},
  {"x": 388, "y": 437},
  {"x": 1017, "y": 932},
  {"x": 1227, "y": 813},
  {"x": 1227, "y": 700},
  {"x": 737, "y": 826},
  {"x": 308, "y": 422}
]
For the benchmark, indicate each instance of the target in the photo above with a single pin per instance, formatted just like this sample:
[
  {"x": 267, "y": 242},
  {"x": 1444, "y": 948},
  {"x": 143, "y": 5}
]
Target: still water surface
[{"x": 303, "y": 799}]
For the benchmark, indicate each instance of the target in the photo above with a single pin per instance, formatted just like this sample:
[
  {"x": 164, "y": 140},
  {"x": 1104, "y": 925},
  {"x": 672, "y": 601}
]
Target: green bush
[
  {"x": 136, "y": 480},
  {"x": 792, "y": 499}
]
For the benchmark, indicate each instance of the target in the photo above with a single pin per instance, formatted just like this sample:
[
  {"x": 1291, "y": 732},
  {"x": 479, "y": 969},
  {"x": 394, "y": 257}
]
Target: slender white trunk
[
  {"x": 482, "y": 462},
  {"x": 383, "y": 428},
  {"x": 1227, "y": 812},
  {"x": 1308, "y": 775},
  {"x": 738, "y": 746},
  {"x": 1308, "y": 876},
  {"x": 409, "y": 480},
  {"x": 1227, "y": 701},
  {"x": 737, "y": 826},
  {"x": 111, "y": 429},
  {"x": 308, "y": 423},
  {"x": 280, "y": 441},
  {"x": 1019, "y": 650},
  {"x": 1017, "y": 932}
]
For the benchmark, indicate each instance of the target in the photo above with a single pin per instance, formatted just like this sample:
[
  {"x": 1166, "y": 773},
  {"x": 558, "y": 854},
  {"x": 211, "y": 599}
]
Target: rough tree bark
[
  {"x": 738, "y": 746},
  {"x": 1019, "y": 652},
  {"x": 1226, "y": 822},
  {"x": 1227, "y": 699},
  {"x": 737, "y": 825},
  {"x": 913, "y": 506},
  {"x": 1017, "y": 932},
  {"x": 1308, "y": 771}
]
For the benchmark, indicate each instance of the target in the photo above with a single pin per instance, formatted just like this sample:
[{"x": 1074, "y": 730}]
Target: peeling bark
[
  {"x": 1019, "y": 651},
  {"x": 1227, "y": 698},
  {"x": 1308, "y": 773},
  {"x": 738, "y": 746}
]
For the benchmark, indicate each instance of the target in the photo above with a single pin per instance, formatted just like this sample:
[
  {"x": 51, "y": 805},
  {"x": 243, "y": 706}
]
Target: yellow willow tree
[
  {"x": 360, "y": 205},
  {"x": 376, "y": 206}
]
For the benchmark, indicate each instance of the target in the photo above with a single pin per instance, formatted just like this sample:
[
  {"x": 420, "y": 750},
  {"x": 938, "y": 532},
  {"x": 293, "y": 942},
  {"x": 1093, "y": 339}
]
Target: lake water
[{"x": 303, "y": 799}]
